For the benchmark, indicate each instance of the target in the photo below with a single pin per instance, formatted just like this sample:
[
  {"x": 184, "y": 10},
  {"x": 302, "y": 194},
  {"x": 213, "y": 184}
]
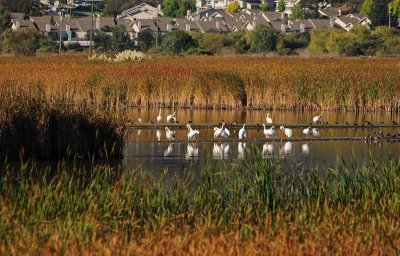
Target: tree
[
  {"x": 367, "y": 7},
  {"x": 263, "y": 39},
  {"x": 178, "y": 8},
  {"x": 5, "y": 19},
  {"x": 281, "y": 6},
  {"x": 145, "y": 40},
  {"x": 377, "y": 10},
  {"x": 102, "y": 41},
  {"x": 233, "y": 7},
  {"x": 120, "y": 41},
  {"x": 297, "y": 13},
  {"x": 21, "y": 41},
  {"x": 264, "y": 7},
  {"x": 177, "y": 42},
  {"x": 395, "y": 8}
]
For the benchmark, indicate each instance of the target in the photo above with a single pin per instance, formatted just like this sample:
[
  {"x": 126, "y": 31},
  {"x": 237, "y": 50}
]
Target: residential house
[
  {"x": 142, "y": 11},
  {"x": 289, "y": 4}
]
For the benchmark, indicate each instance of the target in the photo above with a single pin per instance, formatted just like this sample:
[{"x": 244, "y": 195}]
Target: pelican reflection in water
[
  {"x": 220, "y": 151},
  {"x": 158, "y": 135},
  {"x": 305, "y": 148},
  {"x": 169, "y": 150},
  {"x": 287, "y": 148},
  {"x": 268, "y": 149},
  {"x": 241, "y": 149},
  {"x": 192, "y": 150}
]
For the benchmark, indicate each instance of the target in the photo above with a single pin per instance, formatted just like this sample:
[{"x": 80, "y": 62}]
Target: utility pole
[
  {"x": 91, "y": 34},
  {"x": 61, "y": 30},
  {"x": 389, "y": 16},
  {"x": 157, "y": 20}
]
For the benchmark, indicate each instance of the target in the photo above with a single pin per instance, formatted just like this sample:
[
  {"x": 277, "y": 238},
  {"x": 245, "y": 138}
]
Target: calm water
[{"x": 150, "y": 149}]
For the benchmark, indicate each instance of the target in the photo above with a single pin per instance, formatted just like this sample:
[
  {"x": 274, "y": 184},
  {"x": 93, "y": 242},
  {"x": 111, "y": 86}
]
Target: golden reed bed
[{"x": 364, "y": 84}]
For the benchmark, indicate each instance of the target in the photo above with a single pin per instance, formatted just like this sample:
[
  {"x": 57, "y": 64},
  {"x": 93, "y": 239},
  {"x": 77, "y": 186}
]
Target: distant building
[{"x": 141, "y": 11}]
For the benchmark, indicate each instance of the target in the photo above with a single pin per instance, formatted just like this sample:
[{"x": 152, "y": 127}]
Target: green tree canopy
[
  {"x": 21, "y": 41},
  {"x": 177, "y": 42},
  {"x": 281, "y": 6},
  {"x": 233, "y": 7},
  {"x": 5, "y": 19},
  {"x": 297, "y": 13},
  {"x": 178, "y": 8},
  {"x": 120, "y": 40},
  {"x": 395, "y": 8},
  {"x": 264, "y": 6},
  {"x": 377, "y": 10},
  {"x": 263, "y": 39}
]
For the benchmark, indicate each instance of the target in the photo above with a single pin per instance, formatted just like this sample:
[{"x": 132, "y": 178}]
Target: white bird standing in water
[
  {"x": 217, "y": 132},
  {"x": 269, "y": 119},
  {"x": 169, "y": 134},
  {"x": 307, "y": 131},
  {"x": 225, "y": 132},
  {"x": 193, "y": 134},
  {"x": 159, "y": 117},
  {"x": 288, "y": 132},
  {"x": 269, "y": 132},
  {"x": 171, "y": 118},
  {"x": 316, "y": 119},
  {"x": 242, "y": 132},
  {"x": 139, "y": 120}
]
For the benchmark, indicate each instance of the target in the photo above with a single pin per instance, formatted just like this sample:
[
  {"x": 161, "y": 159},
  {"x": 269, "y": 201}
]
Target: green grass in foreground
[{"x": 82, "y": 210}]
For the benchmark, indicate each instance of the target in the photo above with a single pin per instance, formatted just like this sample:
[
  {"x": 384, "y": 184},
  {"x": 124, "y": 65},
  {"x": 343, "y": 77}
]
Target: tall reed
[
  {"x": 347, "y": 210},
  {"x": 354, "y": 84}
]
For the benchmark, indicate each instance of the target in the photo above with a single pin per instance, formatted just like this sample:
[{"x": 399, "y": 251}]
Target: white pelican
[
  {"x": 269, "y": 132},
  {"x": 269, "y": 119},
  {"x": 315, "y": 132},
  {"x": 217, "y": 132},
  {"x": 169, "y": 149},
  {"x": 171, "y": 135},
  {"x": 225, "y": 132},
  {"x": 159, "y": 117},
  {"x": 305, "y": 148},
  {"x": 307, "y": 131},
  {"x": 192, "y": 150},
  {"x": 171, "y": 118},
  {"x": 316, "y": 119},
  {"x": 193, "y": 134},
  {"x": 158, "y": 135},
  {"x": 242, "y": 132},
  {"x": 139, "y": 120},
  {"x": 241, "y": 149},
  {"x": 139, "y": 132},
  {"x": 288, "y": 132}
]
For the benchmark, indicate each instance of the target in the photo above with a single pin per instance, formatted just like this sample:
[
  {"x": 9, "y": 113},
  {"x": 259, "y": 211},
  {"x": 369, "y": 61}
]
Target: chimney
[
  {"x": 188, "y": 12},
  {"x": 217, "y": 25},
  {"x": 68, "y": 27},
  {"x": 283, "y": 28},
  {"x": 48, "y": 27},
  {"x": 98, "y": 23},
  {"x": 206, "y": 14},
  {"x": 331, "y": 23},
  {"x": 282, "y": 15},
  {"x": 188, "y": 27},
  {"x": 169, "y": 27},
  {"x": 254, "y": 23},
  {"x": 340, "y": 12},
  {"x": 302, "y": 27},
  {"x": 17, "y": 24},
  {"x": 139, "y": 24}
]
